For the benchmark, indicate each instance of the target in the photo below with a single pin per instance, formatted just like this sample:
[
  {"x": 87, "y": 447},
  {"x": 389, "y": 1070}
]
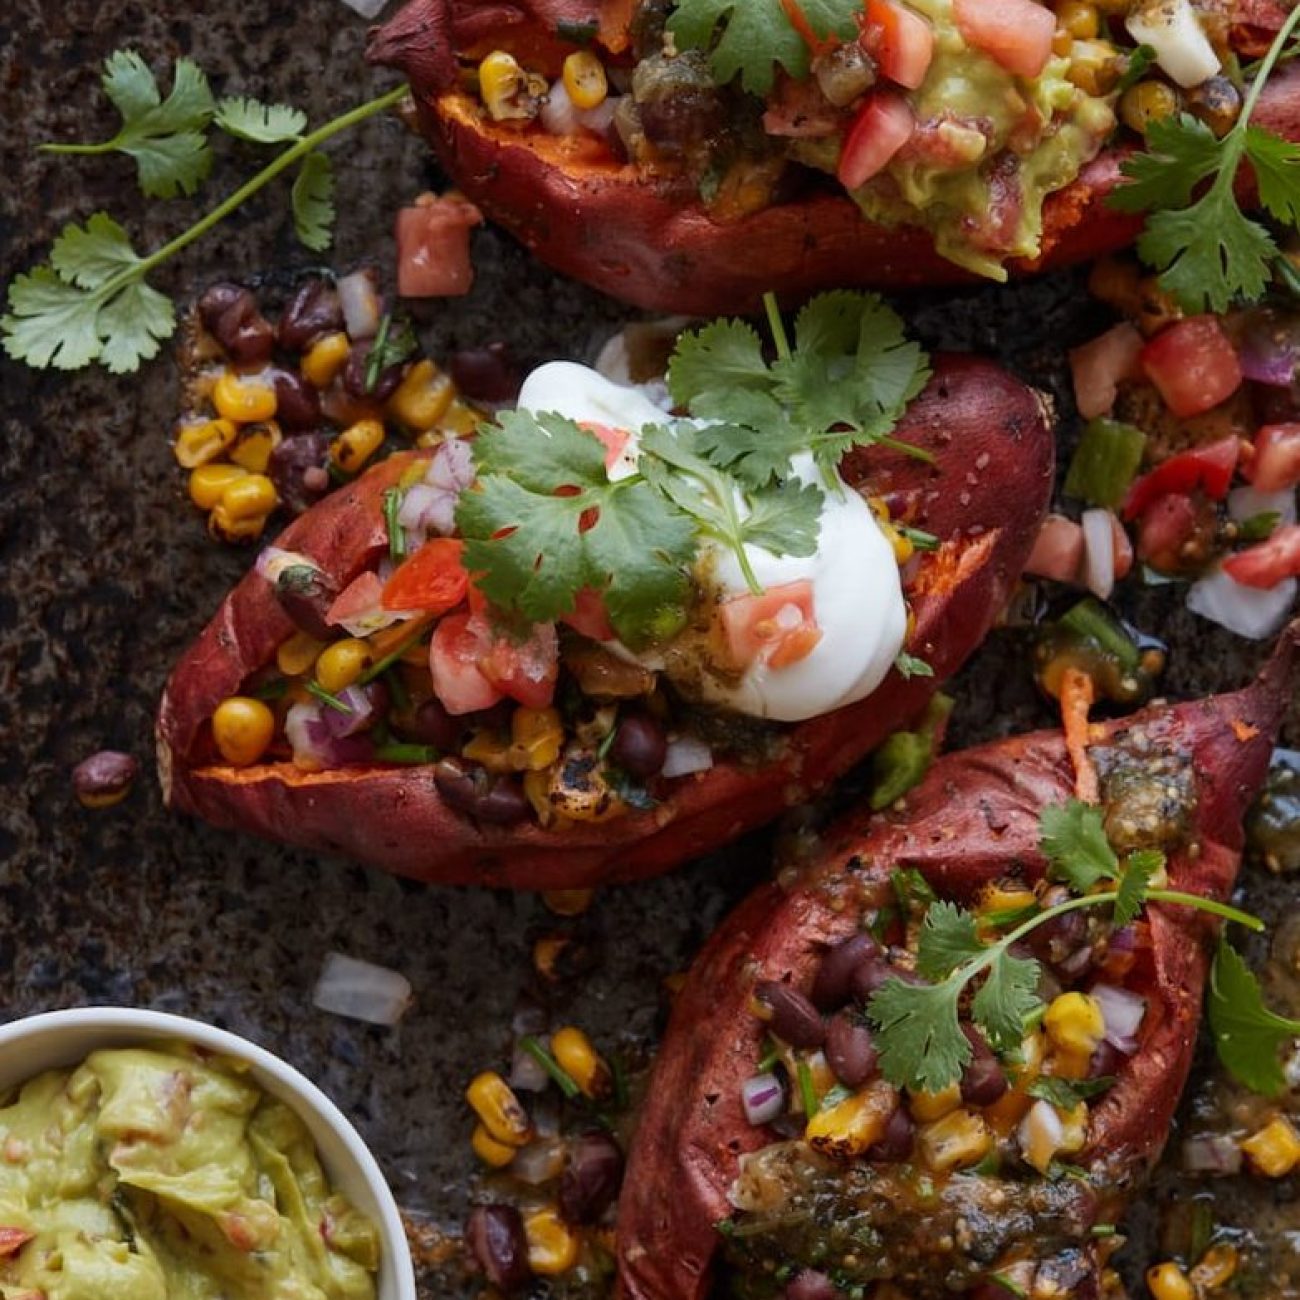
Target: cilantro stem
[
  {"x": 563, "y": 1079},
  {"x": 1206, "y": 905},
  {"x": 380, "y": 668},
  {"x": 777, "y": 326},
  {"x": 1265, "y": 69},
  {"x": 104, "y": 146}
]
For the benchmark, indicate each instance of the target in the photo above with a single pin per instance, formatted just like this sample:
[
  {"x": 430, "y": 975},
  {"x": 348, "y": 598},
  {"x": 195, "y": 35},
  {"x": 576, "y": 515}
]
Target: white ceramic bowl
[{"x": 62, "y": 1038}]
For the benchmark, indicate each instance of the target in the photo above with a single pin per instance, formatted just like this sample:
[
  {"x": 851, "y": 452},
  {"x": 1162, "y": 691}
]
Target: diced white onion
[
  {"x": 539, "y": 1162},
  {"x": 1253, "y": 612},
  {"x": 1098, "y": 552},
  {"x": 686, "y": 755},
  {"x": 1171, "y": 28},
  {"x": 558, "y": 114},
  {"x": 361, "y": 990},
  {"x": 763, "y": 1098},
  {"x": 366, "y": 8},
  {"x": 1246, "y": 502},
  {"x": 1122, "y": 1013},
  {"x": 1211, "y": 1153},
  {"x": 359, "y": 298}
]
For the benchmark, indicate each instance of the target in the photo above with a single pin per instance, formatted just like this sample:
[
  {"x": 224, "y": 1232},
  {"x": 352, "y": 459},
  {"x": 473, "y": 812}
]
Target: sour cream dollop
[{"x": 857, "y": 593}]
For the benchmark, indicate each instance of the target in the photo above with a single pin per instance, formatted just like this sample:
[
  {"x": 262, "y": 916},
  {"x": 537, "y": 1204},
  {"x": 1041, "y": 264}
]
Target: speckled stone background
[{"x": 105, "y": 573}]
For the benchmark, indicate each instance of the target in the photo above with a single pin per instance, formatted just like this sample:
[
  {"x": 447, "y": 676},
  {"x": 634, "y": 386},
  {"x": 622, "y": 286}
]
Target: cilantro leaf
[
  {"x": 948, "y": 937},
  {"x": 1007, "y": 997},
  {"x": 1277, "y": 172},
  {"x": 918, "y": 1034},
  {"x": 1073, "y": 838},
  {"x": 726, "y": 354},
  {"x": 313, "y": 202},
  {"x": 89, "y": 255},
  {"x": 1139, "y": 867},
  {"x": 251, "y": 119},
  {"x": 1066, "y": 1094},
  {"x": 51, "y": 322},
  {"x": 1180, "y": 152},
  {"x": 132, "y": 325},
  {"x": 1247, "y": 1035},
  {"x": 783, "y": 518},
  {"x": 910, "y": 666}
]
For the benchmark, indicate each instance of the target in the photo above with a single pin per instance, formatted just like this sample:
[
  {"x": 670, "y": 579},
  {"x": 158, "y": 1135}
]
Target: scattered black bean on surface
[
  {"x": 591, "y": 1179},
  {"x": 496, "y": 1238},
  {"x": 104, "y": 778}
]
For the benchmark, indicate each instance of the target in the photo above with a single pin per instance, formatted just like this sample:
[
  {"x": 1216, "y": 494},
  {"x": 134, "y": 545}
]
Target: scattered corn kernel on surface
[{"x": 108, "y": 572}]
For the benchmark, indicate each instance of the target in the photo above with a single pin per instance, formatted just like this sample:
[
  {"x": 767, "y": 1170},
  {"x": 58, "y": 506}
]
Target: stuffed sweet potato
[
  {"x": 631, "y": 146},
  {"x": 479, "y": 744},
  {"x": 1013, "y": 1175}
]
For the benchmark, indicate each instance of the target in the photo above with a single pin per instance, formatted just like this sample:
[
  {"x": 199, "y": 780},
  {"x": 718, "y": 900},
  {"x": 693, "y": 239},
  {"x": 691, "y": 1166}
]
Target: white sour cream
[{"x": 857, "y": 594}]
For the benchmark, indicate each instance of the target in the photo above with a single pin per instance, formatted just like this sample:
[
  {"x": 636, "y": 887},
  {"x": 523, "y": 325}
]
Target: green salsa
[{"x": 165, "y": 1174}]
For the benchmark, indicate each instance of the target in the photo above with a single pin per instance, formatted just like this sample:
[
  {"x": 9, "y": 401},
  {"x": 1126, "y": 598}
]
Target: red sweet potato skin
[
  {"x": 984, "y": 498},
  {"x": 647, "y": 240},
  {"x": 972, "y": 819}
]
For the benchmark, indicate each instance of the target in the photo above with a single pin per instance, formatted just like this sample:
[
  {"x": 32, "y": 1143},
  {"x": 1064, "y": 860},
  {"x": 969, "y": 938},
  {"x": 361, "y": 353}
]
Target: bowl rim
[{"x": 120, "y": 1021}]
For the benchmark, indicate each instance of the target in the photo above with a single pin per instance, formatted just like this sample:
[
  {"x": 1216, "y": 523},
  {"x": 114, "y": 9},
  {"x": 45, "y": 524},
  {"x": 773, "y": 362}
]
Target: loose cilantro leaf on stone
[
  {"x": 1247, "y": 1035},
  {"x": 312, "y": 198}
]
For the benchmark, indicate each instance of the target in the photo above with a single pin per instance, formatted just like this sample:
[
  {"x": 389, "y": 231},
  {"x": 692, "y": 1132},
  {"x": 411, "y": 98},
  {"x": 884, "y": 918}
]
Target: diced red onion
[
  {"x": 430, "y": 505},
  {"x": 686, "y": 755},
  {"x": 1211, "y": 1153},
  {"x": 541, "y": 1161},
  {"x": 273, "y": 560},
  {"x": 361, "y": 990},
  {"x": 362, "y": 308},
  {"x": 314, "y": 747},
  {"x": 1266, "y": 353},
  {"x": 1122, "y": 1013},
  {"x": 361, "y": 711},
  {"x": 763, "y": 1098},
  {"x": 1253, "y": 612},
  {"x": 1098, "y": 552}
]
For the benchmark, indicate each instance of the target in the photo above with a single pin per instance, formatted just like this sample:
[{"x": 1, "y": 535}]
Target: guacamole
[{"x": 164, "y": 1174}]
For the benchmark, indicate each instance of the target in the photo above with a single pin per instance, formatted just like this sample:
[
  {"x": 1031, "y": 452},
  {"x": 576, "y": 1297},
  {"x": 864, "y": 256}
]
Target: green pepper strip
[
  {"x": 1105, "y": 462},
  {"x": 1090, "y": 621}
]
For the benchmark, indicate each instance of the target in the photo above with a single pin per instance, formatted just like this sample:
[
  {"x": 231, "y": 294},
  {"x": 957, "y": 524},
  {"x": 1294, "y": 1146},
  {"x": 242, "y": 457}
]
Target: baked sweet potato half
[
  {"x": 1013, "y": 1178},
  {"x": 980, "y": 498},
  {"x": 680, "y": 194}
]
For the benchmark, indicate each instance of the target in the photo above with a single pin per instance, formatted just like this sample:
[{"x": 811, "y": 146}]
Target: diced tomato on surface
[
  {"x": 432, "y": 580},
  {"x": 1207, "y": 469},
  {"x": 1058, "y": 550},
  {"x": 526, "y": 670},
  {"x": 1275, "y": 462},
  {"x": 900, "y": 41},
  {"x": 1269, "y": 562},
  {"x": 778, "y": 627},
  {"x": 433, "y": 247},
  {"x": 1099, "y": 365},
  {"x": 460, "y": 642},
  {"x": 589, "y": 616},
  {"x": 884, "y": 124},
  {"x": 1017, "y": 34},
  {"x": 1193, "y": 364},
  {"x": 614, "y": 440}
]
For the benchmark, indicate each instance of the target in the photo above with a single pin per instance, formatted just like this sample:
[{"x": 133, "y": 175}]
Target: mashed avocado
[{"x": 160, "y": 1174}]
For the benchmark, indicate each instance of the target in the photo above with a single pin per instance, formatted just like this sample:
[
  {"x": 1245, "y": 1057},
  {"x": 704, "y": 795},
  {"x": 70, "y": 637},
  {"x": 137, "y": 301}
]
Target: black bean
[
  {"x": 305, "y": 593},
  {"x": 431, "y": 724},
  {"x": 496, "y": 1238},
  {"x": 231, "y": 316},
  {"x": 982, "y": 1081},
  {"x": 794, "y": 1018},
  {"x": 640, "y": 746},
  {"x": 297, "y": 404},
  {"x": 487, "y": 375},
  {"x": 810, "y": 1285},
  {"x": 298, "y": 470},
  {"x": 896, "y": 1142},
  {"x": 1106, "y": 1061},
  {"x": 355, "y": 373},
  {"x": 312, "y": 311},
  {"x": 591, "y": 1179},
  {"x": 850, "y": 1051},
  {"x": 869, "y": 975},
  {"x": 470, "y": 789},
  {"x": 104, "y": 778},
  {"x": 217, "y": 299},
  {"x": 833, "y": 983}
]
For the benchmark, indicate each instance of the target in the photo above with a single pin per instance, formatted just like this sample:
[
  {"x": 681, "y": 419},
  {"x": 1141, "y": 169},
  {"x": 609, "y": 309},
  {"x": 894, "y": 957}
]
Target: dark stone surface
[{"x": 107, "y": 573}]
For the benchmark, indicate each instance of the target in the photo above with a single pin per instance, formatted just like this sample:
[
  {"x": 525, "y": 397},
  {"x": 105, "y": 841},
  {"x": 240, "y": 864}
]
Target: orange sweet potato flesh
[
  {"x": 646, "y": 238},
  {"x": 973, "y": 819},
  {"x": 984, "y": 498}
]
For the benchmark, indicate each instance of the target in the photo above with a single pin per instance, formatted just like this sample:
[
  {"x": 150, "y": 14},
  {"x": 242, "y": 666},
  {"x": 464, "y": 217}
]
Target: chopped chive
[
  {"x": 607, "y": 742},
  {"x": 409, "y": 754},
  {"x": 1007, "y": 1284},
  {"x": 1104, "y": 1230},
  {"x": 769, "y": 1058},
  {"x": 563, "y": 1079},
  {"x": 807, "y": 1092},
  {"x": 380, "y": 668},
  {"x": 326, "y": 698},
  {"x": 396, "y": 533},
  {"x": 375, "y": 357},
  {"x": 919, "y": 538},
  {"x": 397, "y": 689},
  {"x": 272, "y": 690},
  {"x": 1260, "y": 527},
  {"x": 1091, "y": 621}
]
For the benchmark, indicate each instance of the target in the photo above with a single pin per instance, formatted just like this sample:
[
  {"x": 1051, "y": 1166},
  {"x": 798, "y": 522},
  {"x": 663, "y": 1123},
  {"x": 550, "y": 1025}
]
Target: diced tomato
[
  {"x": 1014, "y": 33},
  {"x": 433, "y": 247},
  {"x": 1208, "y": 469},
  {"x": 1193, "y": 364},
  {"x": 1167, "y": 525},
  {"x": 900, "y": 41},
  {"x": 526, "y": 671},
  {"x": 1123, "y": 549},
  {"x": 1058, "y": 550},
  {"x": 1268, "y": 563},
  {"x": 1098, "y": 366},
  {"x": 778, "y": 627},
  {"x": 884, "y": 124},
  {"x": 13, "y": 1240},
  {"x": 460, "y": 642},
  {"x": 1275, "y": 464},
  {"x": 589, "y": 616},
  {"x": 614, "y": 440},
  {"x": 359, "y": 606},
  {"x": 432, "y": 580}
]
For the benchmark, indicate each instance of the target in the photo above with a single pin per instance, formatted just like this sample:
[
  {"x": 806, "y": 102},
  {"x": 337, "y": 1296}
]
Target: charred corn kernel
[
  {"x": 296, "y": 655},
  {"x": 250, "y": 497},
  {"x": 491, "y": 750},
  {"x": 1147, "y": 102},
  {"x": 552, "y": 1246},
  {"x": 548, "y": 953},
  {"x": 1168, "y": 1282},
  {"x": 961, "y": 1138},
  {"x": 242, "y": 729},
  {"x": 208, "y": 482},
  {"x": 537, "y": 790},
  {"x": 568, "y": 902},
  {"x": 253, "y": 448},
  {"x": 1074, "y": 1023},
  {"x": 1081, "y": 20},
  {"x": 197, "y": 444},
  {"x": 422, "y": 398},
  {"x": 356, "y": 444},
  {"x": 245, "y": 401},
  {"x": 579, "y": 790},
  {"x": 926, "y": 1106},
  {"x": 225, "y": 527},
  {"x": 537, "y": 736},
  {"x": 494, "y": 1154},
  {"x": 1216, "y": 1267},
  {"x": 506, "y": 88},
  {"x": 460, "y": 418},
  {"x": 851, "y": 1127},
  {"x": 1275, "y": 1149},
  {"x": 341, "y": 663},
  {"x": 585, "y": 80},
  {"x": 578, "y": 1058},
  {"x": 325, "y": 358},
  {"x": 499, "y": 1110},
  {"x": 1094, "y": 67}
]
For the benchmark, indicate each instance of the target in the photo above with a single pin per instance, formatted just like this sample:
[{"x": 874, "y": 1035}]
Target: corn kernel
[
  {"x": 580, "y": 1060},
  {"x": 961, "y": 1138},
  {"x": 325, "y": 359},
  {"x": 1074, "y": 1023},
  {"x": 853, "y": 1126},
  {"x": 926, "y": 1106},
  {"x": 1168, "y": 1282},
  {"x": 1094, "y": 67},
  {"x": 537, "y": 736},
  {"x": 537, "y": 790},
  {"x": 552, "y": 1246},
  {"x": 509, "y": 93},
  {"x": 226, "y": 528},
  {"x": 197, "y": 444},
  {"x": 341, "y": 663},
  {"x": 1275, "y": 1149},
  {"x": 208, "y": 482},
  {"x": 250, "y": 497},
  {"x": 489, "y": 749},
  {"x": 460, "y": 418},
  {"x": 585, "y": 80},
  {"x": 1047, "y": 1132},
  {"x": 242, "y": 729},
  {"x": 296, "y": 655},
  {"x": 356, "y": 444},
  {"x": 422, "y": 398},
  {"x": 494, "y": 1154},
  {"x": 1078, "y": 18},
  {"x": 568, "y": 902},
  {"x": 244, "y": 401},
  {"x": 499, "y": 1110},
  {"x": 254, "y": 446},
  {"x": 1216, "y": 1267},
  {"x": 548, "y": 953},
  {"x": 1147, "y": 102}
]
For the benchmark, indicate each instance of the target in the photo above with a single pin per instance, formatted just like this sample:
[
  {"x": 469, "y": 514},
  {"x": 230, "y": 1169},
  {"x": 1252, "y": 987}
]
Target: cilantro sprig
[
  {"x": 918, "y": 1030},
  {"x": 1247, "y": 1035},
  {"x": 1207, "y": 250}
]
